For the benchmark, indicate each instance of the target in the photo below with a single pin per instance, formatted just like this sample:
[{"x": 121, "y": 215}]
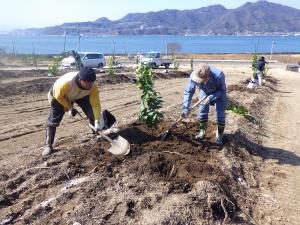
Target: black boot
[
  {"x": 219, "y": 133},
  {"x": 50, "y": 134}
]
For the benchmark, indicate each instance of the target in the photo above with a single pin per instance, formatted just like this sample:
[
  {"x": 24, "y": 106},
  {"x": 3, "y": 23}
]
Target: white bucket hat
[{"x": 200, "y": 72}]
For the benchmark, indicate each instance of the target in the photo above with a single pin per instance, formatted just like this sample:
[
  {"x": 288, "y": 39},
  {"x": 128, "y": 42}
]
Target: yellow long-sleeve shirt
[{"x": 65, "y": 90}]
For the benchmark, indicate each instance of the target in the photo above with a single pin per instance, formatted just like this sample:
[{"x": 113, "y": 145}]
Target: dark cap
[
  {"x": 87, "y": 74},
  {"x": 262, "y": 58}
]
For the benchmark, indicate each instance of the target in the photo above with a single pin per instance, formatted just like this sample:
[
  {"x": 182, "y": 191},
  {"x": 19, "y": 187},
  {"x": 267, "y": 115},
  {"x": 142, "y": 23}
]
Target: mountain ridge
[{"x": 261, "y": 17}]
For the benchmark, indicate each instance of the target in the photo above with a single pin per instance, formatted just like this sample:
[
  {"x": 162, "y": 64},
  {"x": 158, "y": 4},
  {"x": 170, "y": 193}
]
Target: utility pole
[
  {"x": 256, "y": 47},
  {"x": 114, "y": 47},
  {"x": 14, "y": 48},
  {"x": 273, "y": 43},
  {"x": 65, "y": 33},
  {"x": 166, "y": 49},
  {"x": 33, "y": 56},
  {"x": 79, "y": 36}
]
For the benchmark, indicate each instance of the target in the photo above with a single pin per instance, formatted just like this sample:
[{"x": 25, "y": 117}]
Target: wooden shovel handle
[
  {"x": 196, "y": 104},
  {"x": 199, "y": 102},
  {"x": 99, "y": 133}
]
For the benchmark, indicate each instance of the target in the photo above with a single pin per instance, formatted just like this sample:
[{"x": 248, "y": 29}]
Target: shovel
[
  {"x": 119, "y": 146},
  {"x": 164, "y": 136}
]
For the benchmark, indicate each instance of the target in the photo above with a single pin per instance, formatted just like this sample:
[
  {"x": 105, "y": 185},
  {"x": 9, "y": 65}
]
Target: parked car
[
  {"x": 92, "y": 59},
  {"x": 155, "y": 59}
]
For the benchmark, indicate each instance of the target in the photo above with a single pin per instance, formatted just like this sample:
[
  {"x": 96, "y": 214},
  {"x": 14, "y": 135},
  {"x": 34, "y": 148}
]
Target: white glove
[
  {"x": 99, "y": 125},
  {"x": 207, "y": 100},
  {"x": 73, "y": 112}
]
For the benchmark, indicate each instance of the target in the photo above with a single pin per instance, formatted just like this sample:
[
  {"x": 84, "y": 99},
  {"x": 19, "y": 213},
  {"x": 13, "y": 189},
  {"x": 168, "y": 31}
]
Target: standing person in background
[
  {"x": 77, "y": 58},
  {"x": 257, "y": 78},
  {"x": 260, "y": 70}
]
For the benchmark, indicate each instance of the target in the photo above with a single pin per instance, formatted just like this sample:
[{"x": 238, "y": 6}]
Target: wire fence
[{"x": 142, "y": 44}]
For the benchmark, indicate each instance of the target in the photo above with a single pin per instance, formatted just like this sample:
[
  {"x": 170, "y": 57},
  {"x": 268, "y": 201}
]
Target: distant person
[
  {"x": 77, "y": 58},
  {"x": 211, "y": 83},
  {"x": 260, "y": 70},
  {"x": 257, "y": 78},
  {"x": 74, "y": 87}
]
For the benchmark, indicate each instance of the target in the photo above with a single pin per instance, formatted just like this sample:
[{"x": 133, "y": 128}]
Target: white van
[{"x": 92, "y": 59}]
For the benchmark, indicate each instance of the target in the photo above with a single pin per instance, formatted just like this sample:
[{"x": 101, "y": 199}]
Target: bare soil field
[{"x": 176, "y": 181}]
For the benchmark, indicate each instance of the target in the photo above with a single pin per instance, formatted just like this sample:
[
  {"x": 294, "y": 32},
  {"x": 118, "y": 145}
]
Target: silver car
[{"x": 92, "y": 59}]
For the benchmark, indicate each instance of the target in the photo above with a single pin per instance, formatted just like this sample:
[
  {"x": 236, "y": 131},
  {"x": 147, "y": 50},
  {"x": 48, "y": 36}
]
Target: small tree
[
  {"x": 192, "y": 63},
  {"x": 111, "y": 70},
  {"x": 254, "y": 65},
  {"x": 175, "y": 63},
  {"x": 53, "y": 67},
  {"x": 150, "y": 100}
]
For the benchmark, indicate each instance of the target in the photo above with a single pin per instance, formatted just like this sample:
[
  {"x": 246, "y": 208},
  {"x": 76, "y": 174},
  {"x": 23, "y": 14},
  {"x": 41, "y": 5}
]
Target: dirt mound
[
  {"x": 26, "y": 87},
  {"x": 240, "y": 88},
  {"x": 130, "y": 77},
  {"x": 177, "y": 174},
  {"x": 41, "y": 85},
  {"x": 171, "y": 74},
  {"x": 4, "y": 74},
  {"x": 115, "y": 79},
  {"x": 253, "y": 99}
]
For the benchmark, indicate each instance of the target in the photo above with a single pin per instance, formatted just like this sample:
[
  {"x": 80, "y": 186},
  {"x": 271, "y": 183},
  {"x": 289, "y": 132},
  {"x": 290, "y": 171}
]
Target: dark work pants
[{"x": 57, "y": 111}]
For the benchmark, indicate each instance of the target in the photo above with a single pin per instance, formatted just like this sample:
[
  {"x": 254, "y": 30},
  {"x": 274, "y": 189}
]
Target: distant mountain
[{"x": 260, "y": 17}]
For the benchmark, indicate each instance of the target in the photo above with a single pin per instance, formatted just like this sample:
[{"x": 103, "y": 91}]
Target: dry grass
[{"x": 283, "y": 58}]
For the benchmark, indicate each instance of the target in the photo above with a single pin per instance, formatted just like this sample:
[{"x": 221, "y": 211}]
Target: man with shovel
[
  {"x": 71, "y": 88},
  {"x": 260, "y": 70},
  {"x": 211, "y": 83}
]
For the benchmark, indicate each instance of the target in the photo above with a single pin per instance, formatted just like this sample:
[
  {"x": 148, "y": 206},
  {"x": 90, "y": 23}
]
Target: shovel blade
[
  {"x": 166, "y": 134},
  {"x": 119, "y": 146}
]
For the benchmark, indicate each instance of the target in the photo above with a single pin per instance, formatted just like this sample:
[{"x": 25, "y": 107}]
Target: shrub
[
  {"x": 150, "y": 99},
  {"x": 175, "y": 63},
  {"x": 254, "y": 65},
  {"x": 237, "y": 109},
  {"x": 111, "y": 62},
  {"x": 53, "y": 67}
]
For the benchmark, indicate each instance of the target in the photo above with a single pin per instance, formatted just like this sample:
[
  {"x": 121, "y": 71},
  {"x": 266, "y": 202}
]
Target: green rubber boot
[{"x": 202, "y": 132}]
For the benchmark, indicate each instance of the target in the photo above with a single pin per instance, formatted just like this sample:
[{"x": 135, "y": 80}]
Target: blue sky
[{"x": 41, "y": 13}]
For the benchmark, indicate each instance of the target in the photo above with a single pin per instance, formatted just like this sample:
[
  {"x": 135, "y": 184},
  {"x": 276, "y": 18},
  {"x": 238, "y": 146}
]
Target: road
[{"x": 282, "y": 151}]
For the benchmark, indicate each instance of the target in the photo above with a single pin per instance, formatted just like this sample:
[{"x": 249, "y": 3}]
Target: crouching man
[
  {"x": 211, "y": 83},
  {"x": 71, "y": 88}
]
